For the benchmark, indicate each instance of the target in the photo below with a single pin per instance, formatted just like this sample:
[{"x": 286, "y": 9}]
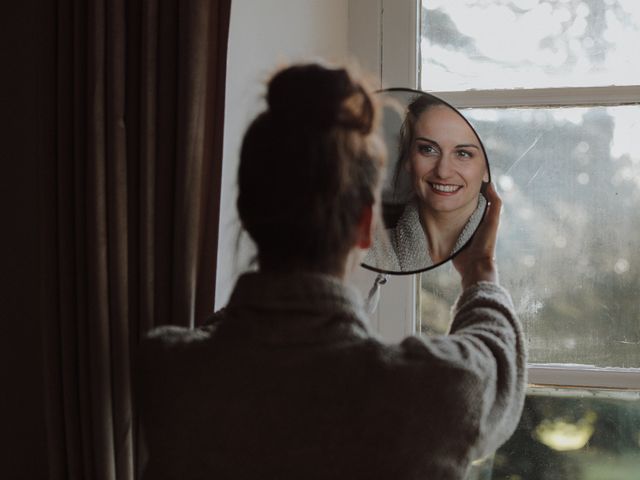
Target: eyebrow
[{"x": 462, "y": 145}]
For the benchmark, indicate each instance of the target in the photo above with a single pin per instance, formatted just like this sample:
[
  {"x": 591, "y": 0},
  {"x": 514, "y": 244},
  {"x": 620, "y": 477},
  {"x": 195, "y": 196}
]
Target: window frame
[{"x": 377, "y": 31}]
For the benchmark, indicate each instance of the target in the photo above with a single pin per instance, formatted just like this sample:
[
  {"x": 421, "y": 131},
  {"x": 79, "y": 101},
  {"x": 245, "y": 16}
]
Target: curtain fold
[{"x": 140, "y": 103}]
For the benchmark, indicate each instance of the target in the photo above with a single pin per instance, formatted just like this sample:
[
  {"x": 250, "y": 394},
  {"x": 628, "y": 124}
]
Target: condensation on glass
[
  {"x": 569, "y": 248},
  {"x": 506, "y": 44}
]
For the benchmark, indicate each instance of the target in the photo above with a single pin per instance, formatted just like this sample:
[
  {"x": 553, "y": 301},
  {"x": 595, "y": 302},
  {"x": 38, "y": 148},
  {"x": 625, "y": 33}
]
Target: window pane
[
  {"x": 489, "y": 44},
  {"x": 569, "y": 244},
  {"x": 573, "y": 435}
]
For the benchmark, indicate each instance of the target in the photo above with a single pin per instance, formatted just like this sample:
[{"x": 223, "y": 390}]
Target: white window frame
[{"x": 378, "y": 31}]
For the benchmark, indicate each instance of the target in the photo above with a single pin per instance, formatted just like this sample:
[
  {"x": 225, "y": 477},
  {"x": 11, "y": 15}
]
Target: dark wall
[{"x": 27, "y": 86}]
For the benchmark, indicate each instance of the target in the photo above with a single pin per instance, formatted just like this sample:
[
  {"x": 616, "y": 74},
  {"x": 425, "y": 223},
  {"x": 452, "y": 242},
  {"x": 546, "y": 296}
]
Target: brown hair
[
  {"x": 309, "y": 165},
  {"x": 419, "y": 105}
]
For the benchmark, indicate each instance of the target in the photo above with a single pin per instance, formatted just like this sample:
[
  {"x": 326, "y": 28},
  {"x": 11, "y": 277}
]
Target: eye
[
  {"x": 465, "y": 154},
  {"x": 426, "y": 149}
]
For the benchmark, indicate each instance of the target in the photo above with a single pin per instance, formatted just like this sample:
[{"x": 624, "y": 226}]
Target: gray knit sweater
[
  {"x": 405, "y": 247},
  {"x": 288, "y": 382}
]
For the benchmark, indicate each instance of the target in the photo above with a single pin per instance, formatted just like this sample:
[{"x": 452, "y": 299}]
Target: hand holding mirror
[{"x": 433, "y": 196}]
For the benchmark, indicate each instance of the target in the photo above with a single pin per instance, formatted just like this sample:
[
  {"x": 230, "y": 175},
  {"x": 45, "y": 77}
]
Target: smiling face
[{"x": 446, "y": 161}]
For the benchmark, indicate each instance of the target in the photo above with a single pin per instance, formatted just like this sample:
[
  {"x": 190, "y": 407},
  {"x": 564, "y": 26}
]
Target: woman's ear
[
  {"x": 485, "y": 178},
  {"x": 364, "y": 233}
]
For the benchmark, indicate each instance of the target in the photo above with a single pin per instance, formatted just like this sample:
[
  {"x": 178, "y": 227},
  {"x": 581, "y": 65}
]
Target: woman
[
  {"x": 288, "y": 381},
  {"x": 446, "y": 163}
]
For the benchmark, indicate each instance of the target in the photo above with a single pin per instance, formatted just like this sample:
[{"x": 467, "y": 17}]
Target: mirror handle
[{"x": 374, "y": 294}]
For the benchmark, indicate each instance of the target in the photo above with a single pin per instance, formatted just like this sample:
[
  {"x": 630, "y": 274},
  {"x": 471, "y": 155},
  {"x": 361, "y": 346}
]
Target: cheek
[
  {"x": 475, "y": 175},
  {"x": 420, "y": 166},
  {"x": 484, "y": 169}
]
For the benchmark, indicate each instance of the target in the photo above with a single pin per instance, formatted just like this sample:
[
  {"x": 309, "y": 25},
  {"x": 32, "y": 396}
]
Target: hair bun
[{"x": 319, "y": 97}]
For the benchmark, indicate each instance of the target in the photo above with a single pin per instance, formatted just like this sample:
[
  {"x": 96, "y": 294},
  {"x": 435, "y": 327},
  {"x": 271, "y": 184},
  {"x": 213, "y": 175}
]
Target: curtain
[{"x": 133, "y": 197}]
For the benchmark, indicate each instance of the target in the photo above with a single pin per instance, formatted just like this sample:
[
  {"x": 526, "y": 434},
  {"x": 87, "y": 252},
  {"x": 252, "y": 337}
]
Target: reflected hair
[
  {"x": 419, "y": 105},
  {"x": 309, "y": 165}
]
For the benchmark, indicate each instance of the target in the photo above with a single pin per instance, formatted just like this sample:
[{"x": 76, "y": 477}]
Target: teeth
[{"x": 445, "y": 188}]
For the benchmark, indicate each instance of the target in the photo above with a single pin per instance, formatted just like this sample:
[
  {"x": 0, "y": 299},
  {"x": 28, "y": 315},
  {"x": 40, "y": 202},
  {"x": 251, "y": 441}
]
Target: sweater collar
[
  {"x": 411, "y": 243},
  {"x": 304, "y": 293}
]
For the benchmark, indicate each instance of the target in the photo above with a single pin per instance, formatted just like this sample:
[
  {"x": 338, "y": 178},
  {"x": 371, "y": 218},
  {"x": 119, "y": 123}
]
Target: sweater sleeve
[{"x": 486, "y": 327}]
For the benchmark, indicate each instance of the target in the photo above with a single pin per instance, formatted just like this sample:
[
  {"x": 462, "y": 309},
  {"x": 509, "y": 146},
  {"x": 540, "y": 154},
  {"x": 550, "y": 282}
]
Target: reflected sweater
[
  {"x": 406, "y": 248},
  {"x": 289, "y": 382}
]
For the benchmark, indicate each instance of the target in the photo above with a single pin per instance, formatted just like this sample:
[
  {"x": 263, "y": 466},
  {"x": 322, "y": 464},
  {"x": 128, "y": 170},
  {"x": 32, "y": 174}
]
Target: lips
[{"x": 444, "y": 188}]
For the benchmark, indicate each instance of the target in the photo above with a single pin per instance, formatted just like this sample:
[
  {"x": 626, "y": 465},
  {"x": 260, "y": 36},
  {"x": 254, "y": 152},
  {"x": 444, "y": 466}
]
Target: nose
[{"x": 444, "y": 167}]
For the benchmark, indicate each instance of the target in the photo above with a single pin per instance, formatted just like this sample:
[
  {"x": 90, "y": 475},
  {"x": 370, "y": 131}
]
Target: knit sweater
[
  {"x": 405, "y": 247},
  {"x": 289, "y": 382}
]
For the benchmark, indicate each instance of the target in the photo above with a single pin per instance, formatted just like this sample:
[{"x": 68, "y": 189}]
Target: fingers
[
  {"x": 488, "y": 229},
  {"x": 492, "y": 194},
  {"x": 495, "y": 204},
  {"x": 477, "y": 261}
]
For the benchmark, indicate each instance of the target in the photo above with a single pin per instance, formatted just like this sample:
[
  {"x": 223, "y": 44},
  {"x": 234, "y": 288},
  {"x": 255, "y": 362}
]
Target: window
[
  {"x": 553, "y": 89},
  {"x": 507, "y": 44},
  {"x": 573, "y": 434}
]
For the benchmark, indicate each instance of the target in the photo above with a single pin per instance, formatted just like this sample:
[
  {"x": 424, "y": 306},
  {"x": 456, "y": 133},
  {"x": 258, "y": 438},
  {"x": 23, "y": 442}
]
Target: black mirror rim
[{"x": 482, "y": 191}]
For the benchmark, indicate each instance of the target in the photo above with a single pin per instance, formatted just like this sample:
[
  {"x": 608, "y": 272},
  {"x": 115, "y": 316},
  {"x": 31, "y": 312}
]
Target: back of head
[{"x": 309, "y": 165}]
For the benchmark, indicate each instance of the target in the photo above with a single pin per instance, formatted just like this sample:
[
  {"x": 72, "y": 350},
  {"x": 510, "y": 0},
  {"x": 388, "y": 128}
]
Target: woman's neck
[
  {"x": 279, "y": 268},
  {"x": 443, "y": 229}
]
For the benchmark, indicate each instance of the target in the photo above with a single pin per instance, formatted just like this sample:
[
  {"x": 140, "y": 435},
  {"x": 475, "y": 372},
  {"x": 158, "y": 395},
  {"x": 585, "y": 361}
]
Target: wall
[{"x": 264, "y": 34}]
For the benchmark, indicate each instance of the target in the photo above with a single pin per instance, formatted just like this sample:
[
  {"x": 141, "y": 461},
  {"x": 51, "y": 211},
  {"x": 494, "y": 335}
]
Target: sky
[{"x": 533, "y": 44}]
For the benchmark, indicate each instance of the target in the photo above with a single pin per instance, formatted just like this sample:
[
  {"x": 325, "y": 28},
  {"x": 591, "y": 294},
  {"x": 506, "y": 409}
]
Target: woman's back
[{"x": 288, "y": 382}]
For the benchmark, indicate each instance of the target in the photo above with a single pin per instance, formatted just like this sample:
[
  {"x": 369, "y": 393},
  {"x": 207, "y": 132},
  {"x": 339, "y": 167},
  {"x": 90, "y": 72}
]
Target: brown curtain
[{"x": 133, "y": 199}]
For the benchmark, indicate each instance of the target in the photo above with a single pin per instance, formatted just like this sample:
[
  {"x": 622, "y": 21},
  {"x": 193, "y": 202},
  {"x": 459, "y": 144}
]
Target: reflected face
[{"x": 447, "y": 163}]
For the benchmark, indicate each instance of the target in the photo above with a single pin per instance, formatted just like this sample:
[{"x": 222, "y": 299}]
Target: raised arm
[
  {"x": 484, "y": 320},
  {"x": 486, "y": 329}
]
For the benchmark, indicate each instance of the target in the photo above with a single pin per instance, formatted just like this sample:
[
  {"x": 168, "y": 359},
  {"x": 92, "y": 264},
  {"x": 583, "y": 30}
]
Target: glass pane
[
  {"x": 569, "y": 244},
  {"x": 489, "y": 44},
  {"x": 573, "y": 435}
]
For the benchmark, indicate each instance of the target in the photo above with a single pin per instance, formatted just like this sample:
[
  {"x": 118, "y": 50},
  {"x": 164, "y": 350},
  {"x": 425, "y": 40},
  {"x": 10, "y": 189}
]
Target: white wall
[{"x": 264, "y": 34}]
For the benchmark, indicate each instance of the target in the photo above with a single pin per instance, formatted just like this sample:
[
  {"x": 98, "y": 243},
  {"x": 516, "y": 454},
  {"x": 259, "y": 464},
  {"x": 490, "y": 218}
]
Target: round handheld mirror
[{"x": 433, "y": 195}]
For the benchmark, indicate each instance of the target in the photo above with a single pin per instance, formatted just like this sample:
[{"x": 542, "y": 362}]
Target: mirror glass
[{"x": 432, "y": 198}]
